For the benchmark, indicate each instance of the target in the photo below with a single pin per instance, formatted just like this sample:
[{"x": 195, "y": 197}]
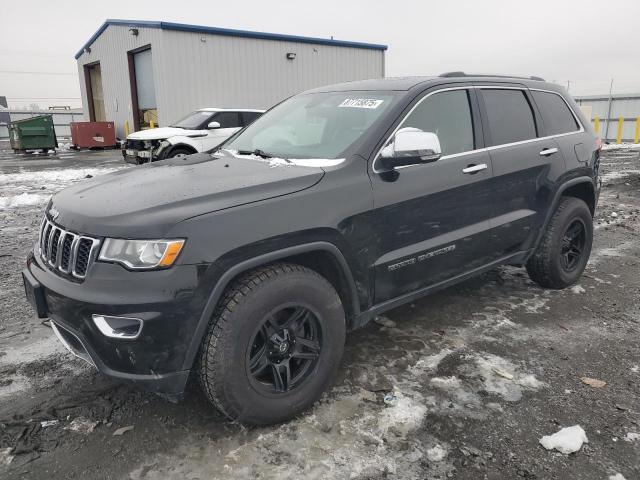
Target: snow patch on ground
[
  {"x": 578, "y": 289},
  {"x": 23, "y": 200},
  {"x": 339, "y": 439},
  {"x": 621, "y": 146},
  {"x": 617, "y": 251},
  {"x": 29, "y": 352},
  {"x": 568, "y": 440},
  {"x": 618, "y": 175},
  {"x": 46, "y": 177},
  {"x": 631, "y": 437},
  {"x": 617, "y": 476}
]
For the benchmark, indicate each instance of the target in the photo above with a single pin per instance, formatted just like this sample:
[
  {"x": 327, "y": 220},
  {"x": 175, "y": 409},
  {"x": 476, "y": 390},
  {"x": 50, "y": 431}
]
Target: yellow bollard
[
  {"x": 620, "y": 125},
  {"x": 596, "y": 125},
  {"x": 637, "y": 135},
  {"x": 151, "y": 124},
  {"x": 126, "y": 128}
]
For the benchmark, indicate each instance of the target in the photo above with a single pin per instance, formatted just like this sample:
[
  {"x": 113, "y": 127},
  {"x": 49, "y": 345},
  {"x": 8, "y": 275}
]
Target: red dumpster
[{"x": 93, "y": 134}]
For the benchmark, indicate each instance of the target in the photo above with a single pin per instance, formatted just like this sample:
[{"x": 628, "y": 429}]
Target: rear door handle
[
  {"x": 475, "y": 168},
  {"x": 545, "y": 152}
]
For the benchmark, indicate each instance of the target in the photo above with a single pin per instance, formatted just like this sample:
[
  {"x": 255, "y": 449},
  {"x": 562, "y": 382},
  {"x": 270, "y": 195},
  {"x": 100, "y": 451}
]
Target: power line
[
  {"x": 43, "y": 98},
  {"x": 21, "y": 72}
]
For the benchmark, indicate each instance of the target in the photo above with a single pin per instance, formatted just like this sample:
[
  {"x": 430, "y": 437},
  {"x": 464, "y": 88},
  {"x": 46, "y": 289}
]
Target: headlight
[{"x": 141, "y": 254}]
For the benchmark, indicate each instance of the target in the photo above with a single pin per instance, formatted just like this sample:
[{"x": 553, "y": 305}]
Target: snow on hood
[
  {"x": 165, "y": 132},
  {"x": 288, "y": 162}
]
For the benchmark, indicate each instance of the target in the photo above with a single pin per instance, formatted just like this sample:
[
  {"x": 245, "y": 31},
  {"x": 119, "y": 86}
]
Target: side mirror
[
  {"x": 411, "y": 146},
  {"x": 213, "y": 125}
]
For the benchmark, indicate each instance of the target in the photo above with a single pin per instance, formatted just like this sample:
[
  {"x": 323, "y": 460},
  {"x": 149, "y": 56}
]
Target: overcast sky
[{"x": 585, "y": 42}]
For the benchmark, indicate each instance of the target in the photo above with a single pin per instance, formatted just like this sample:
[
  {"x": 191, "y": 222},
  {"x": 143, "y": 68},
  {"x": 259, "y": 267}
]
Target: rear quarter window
[
  {"x": 556, "y": 116},
  {"x": 509, "y": 116}
]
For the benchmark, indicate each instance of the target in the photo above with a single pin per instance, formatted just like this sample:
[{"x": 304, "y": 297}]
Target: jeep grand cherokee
[{"x": 249, "y": 264}]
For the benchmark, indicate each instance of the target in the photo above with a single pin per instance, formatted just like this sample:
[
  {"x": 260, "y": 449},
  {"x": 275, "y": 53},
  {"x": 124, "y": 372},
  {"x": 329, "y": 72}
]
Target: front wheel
[
  {"x": 564, "y": 250},
  {"x": 274, "y": 344}
]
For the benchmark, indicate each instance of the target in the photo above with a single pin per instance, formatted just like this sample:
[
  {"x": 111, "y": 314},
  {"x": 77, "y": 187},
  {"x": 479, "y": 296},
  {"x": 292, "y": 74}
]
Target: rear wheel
[
  {"x": 564, "y": 250},
  {"x": 274, "y": 344}
]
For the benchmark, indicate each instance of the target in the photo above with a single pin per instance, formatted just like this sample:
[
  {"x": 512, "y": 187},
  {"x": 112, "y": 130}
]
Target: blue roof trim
[{"x": 183, "y": 27}]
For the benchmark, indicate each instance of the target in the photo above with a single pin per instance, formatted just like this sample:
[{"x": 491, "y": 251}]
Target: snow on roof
[{"x": 183, "y": 27}]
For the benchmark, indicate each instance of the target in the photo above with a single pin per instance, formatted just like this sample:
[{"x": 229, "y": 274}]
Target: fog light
[{"x": 118, "y": 327}]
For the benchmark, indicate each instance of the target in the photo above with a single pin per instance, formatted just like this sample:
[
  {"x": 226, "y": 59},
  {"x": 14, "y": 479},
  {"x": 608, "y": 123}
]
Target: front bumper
[
  {"x": 136, "y": 157},
  {"x": 168, "y": 301}
]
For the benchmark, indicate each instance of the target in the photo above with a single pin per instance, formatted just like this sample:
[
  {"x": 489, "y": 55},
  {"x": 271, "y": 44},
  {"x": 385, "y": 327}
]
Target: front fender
[
  {"x": 229, "y": 274},
  {"x": 193, "y": 142}
]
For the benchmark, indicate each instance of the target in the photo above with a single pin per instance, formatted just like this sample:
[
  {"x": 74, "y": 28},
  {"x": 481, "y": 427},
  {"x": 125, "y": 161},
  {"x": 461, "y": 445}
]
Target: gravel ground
[{"x": 462, "y": 384}]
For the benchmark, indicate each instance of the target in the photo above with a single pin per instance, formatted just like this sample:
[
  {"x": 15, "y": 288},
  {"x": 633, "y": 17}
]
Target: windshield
[
  {"x": 193, "y": 120},
  {"x": 318, "y": 125}
]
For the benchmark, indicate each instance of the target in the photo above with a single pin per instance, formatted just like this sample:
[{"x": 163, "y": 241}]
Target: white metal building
[
  {"x": 609, "y": 109},
  {"x": 142, "y": 71}
]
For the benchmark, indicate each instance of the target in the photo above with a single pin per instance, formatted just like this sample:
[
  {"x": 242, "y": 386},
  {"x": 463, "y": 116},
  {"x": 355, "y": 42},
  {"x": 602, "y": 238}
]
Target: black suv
[{"x": 249, "y": 264}]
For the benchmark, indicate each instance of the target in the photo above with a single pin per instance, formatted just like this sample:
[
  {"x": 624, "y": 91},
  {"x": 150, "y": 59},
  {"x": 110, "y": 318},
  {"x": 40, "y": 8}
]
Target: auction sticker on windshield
[{"x": 361, "y": 103}]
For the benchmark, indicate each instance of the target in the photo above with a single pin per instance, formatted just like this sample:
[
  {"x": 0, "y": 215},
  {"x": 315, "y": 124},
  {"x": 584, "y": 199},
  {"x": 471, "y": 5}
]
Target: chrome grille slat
[{"x": 52, "y": 243}]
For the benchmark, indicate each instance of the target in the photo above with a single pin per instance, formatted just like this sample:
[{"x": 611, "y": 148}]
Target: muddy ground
[{"x": 461, "y": 384}]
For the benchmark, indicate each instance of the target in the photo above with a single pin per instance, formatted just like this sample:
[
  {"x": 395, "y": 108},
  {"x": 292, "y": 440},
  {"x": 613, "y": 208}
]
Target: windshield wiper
[{"x": 257, "y": 152}]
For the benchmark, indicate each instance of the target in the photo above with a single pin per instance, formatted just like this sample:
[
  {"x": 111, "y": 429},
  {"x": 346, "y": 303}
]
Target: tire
[
  {"x": 178, "y": 151},
  {"x": 556, "y": 262},
  {"x": 240, "y": 358}
]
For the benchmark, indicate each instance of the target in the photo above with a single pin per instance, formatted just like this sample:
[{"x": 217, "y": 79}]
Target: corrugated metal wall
[
  {"x": 626, "y": 106},
  {"x": 194, "y": 70}
]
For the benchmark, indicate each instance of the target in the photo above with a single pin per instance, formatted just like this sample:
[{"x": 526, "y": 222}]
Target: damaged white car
[{"x": 199, "y": 131}]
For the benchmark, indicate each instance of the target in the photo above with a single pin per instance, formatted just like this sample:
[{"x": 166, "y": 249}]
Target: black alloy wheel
[
  {"x": 284, "y": 351},
  {"x": 573, "y": 243}
]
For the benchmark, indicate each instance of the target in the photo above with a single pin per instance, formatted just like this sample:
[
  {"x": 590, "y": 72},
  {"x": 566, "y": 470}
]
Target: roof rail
[{"x": 462, "y": 74}]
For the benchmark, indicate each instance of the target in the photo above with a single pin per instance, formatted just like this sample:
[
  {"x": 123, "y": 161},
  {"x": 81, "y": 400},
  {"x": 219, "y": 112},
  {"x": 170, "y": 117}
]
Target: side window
[
  {"x": 510, "y": 116},
  {"x": 555, "y": 113},
  {"x": 227, "y": 119},
  {"x": 448, "y": 115},
  {"x": 249, "y": 117}
]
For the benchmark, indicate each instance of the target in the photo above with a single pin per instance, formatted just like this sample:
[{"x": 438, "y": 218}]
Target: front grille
[
  {"x": 65, "y": 251},
  {"x": 135, "y": 144}
]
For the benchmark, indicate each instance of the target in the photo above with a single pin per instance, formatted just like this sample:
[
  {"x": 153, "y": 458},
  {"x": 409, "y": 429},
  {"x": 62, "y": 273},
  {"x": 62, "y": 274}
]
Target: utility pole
[
  {"x": 568, "y": 85},
  {"x": 606, "y": 129}
]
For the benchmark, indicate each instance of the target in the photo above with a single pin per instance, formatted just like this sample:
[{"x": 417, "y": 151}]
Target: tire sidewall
[{"x": 301, "y": 288}]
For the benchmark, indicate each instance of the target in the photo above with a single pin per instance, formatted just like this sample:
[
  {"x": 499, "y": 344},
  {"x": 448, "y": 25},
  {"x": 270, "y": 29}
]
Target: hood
[
  {"x": 165, "y": 132},
  {"x": 146, "y": 201}
]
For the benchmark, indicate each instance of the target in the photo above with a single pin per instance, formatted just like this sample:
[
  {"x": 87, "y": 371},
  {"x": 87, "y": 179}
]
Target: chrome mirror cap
[
  {"x": 411, "y": 142},
  {"x": 411, "y": 146}
]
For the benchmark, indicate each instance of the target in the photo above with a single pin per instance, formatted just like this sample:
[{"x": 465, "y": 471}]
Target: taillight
[{"x": 598, "y": 143}]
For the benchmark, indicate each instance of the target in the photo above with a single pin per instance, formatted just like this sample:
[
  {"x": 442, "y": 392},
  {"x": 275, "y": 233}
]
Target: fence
[
  {"x": 61, "y": 120},
  {"x": 615, "y": 118}
]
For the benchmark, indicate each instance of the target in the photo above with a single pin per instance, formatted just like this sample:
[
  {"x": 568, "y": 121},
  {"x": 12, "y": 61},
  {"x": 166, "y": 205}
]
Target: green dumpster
[{"x": 35, "y": 133}]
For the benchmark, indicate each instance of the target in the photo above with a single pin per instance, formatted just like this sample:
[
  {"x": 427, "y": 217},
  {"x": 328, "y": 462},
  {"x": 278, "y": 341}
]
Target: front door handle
[
  {"x": 545, "y": 152},
  {"x": 474, "y": 168}
]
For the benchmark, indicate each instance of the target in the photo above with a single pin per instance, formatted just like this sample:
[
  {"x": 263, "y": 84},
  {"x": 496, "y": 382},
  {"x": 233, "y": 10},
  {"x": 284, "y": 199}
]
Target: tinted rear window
[
  {"x": 556, "y": 116},
  {"x": 510, "y": 116}
]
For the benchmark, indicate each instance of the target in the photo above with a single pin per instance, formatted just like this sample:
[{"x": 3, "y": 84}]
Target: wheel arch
[
  {"x": 176, "y": 146},
  {"x": 584, "y": 190},
  {"x": 579, "y": 187},
  {"x": 322, "y": 257}
]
